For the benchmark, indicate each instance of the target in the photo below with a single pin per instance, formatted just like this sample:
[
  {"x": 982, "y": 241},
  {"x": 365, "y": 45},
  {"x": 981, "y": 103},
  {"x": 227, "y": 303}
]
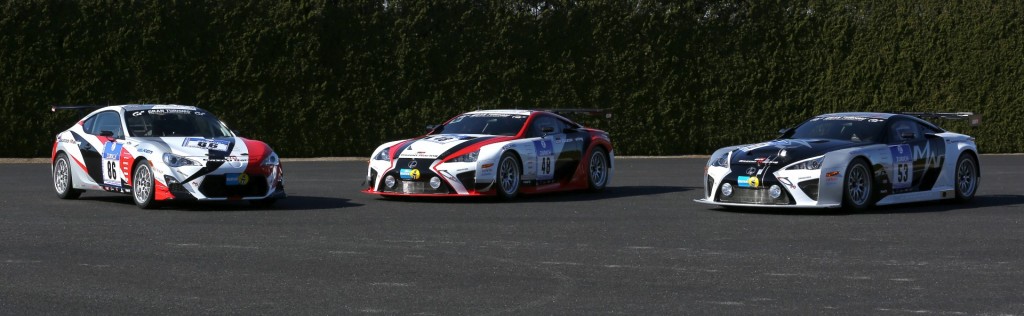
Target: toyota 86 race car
[
  {"x": 850, "y": 160},
  {"x": 159, "y": 153},
  {"x": 494, "y": 152}
]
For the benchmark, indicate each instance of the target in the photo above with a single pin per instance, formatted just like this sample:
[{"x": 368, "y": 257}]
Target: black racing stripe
[
  {"x": 462, "y": 146},
  {"x": 211, "y": 166},
  {"x": 404, "y": 145},
  {"x": 91, "y": 157}
]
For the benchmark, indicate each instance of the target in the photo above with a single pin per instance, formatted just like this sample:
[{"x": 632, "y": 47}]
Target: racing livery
[
  {"x": 851, "y": 160},
  {"x": 494, "y": 152},
  {"x": 163, "y": 152}
]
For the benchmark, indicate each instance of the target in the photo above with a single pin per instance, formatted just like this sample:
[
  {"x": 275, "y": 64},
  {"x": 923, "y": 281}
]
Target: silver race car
[
  {"x": 159, "y": 153},
  {"x": 850, "y": 160}
]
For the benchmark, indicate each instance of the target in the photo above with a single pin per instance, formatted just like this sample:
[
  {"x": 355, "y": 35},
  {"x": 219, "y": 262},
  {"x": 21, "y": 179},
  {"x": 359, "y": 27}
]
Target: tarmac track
[{"x": 642, "y": 247}]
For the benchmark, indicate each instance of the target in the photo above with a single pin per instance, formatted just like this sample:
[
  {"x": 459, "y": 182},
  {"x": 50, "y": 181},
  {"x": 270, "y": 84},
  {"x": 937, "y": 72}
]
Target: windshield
[
  {"x": 848, "y": 128},
  {"x": 484, "y": 123},
  {"x": 174, "y": 123}
]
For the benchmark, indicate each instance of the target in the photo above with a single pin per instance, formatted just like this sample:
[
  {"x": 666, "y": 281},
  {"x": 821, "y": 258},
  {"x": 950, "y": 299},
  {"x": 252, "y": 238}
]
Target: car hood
[
  {"x": 782, "y": 152},
  {"x": 443, "y": 145}
]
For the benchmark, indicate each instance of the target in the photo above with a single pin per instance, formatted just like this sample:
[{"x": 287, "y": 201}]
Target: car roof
[
  {"x": 506, "y": 111},
  {"x": 877, "y": 115}
]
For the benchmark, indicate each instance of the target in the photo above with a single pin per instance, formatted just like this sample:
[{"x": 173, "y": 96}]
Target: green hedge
[{"x": 336, "y": 78}]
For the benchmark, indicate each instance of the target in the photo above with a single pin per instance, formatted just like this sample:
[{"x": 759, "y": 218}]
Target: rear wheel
[
  {"x": 62, "y": 178},
  {"x": 508, "y": 176},
  {"x": 143, "y": 186},
  {"x": 598, "y": 171},
  {"x": 858, "y": 188},
  {"x": 966, "y": 177}
]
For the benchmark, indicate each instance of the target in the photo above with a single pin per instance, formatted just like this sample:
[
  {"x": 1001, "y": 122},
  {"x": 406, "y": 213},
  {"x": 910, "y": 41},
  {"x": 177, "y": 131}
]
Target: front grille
[
  {"x": 810, "y": 187},
  {"x": 215, "y": 186},
  {"x": 753, "y": 196},
  {"x": 415, "y": 187}
]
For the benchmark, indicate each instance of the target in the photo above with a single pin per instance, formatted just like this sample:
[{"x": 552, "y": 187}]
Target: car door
[
  {"x": 917, "y": 156},
  {"x": 548, "y": 138},
  {"x": 105, "y": 154}
]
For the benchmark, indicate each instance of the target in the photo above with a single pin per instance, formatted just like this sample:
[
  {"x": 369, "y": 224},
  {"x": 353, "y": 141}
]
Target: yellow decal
[
  {"x": 753, "y": 182},
  {"x": 415, "y": 174},
  {"x": 243, "y": 179}
]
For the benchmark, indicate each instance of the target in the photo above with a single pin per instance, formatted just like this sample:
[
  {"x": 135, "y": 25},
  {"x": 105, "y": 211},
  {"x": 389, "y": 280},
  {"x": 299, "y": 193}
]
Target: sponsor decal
[
  {"x": 413, "y": 164},
  {"x": 780, "y": 144},
  {"x": 748, "y": 182},
  {"x": 145, "y": 151},
  {"x": 902, "y": 164},
  {"x": 751, "y": 171},
  {"x": 409, "y": 174},
  {"x": 237, "y": 179},
  {"x": 444, "y": 139},
  {"x": 203, "y": 143}
]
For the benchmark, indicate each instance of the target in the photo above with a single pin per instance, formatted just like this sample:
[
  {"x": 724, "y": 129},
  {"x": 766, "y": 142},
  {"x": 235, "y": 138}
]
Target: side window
[
  {"x": 898, "y": 128},
  {"x": 89, "y": 124},
  {"x": 108, "y": 121},
  {"x": 542, "y": 122}
]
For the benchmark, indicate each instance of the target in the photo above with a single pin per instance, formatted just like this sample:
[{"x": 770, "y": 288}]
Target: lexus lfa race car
[
  {"x": 159, "y": 153},
  {"x": 850, "y": 160},
  {"x": 494, "y": 152}
]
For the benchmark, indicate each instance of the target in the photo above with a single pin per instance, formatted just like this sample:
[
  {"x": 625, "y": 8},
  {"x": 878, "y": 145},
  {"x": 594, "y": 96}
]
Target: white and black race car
[
  {"x": 494, "y": 152},
  {"x": 851, "y": 160},
  {"x": 163, "y": 152}
]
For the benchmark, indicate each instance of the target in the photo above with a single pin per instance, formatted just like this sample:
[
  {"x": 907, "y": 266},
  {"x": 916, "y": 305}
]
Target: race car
[
  {"x": 160, "y": 153},
  {"x": 497, "y": 153},
  {"x": 849, "y": 160}
]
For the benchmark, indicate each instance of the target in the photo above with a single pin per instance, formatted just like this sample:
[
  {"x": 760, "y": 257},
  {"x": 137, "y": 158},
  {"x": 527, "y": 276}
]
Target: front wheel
[
  {"x": 508, "y": 176},
  {"x": 62, "y": 178},
  {"x": 858, "y": 189},
  {"x": 143, "y": 186},
  {"x": 966, "y": 177},
  {"x": 597, "y": 173}
]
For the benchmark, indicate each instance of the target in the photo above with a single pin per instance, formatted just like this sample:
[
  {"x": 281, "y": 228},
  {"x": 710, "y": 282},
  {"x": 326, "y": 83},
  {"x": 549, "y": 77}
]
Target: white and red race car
[
  {"x": 494, "y": 152},
  {"x": 163, "y": 152}
]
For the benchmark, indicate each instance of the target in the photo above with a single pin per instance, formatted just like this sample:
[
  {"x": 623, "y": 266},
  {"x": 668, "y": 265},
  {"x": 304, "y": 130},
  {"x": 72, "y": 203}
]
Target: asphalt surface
[{"x": 642, "y": 247}]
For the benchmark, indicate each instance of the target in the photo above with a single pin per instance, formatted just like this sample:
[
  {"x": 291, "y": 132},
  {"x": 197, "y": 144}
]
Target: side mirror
[
  {"x": 430, "y": 128},
  {"x": 235, "y": 131},
  {"x": 547, "y": 129},
  {"x": 784, "y": 130},
  {"x": 107, "y": 133},
  {"x": 907, "y": 135}
]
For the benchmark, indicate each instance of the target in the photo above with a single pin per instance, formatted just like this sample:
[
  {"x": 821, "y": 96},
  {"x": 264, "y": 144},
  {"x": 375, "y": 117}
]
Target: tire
[
  {"x": 858, "y": 186},
  {"x": 62, "y": 183},
  {"x": 143, "y": 186},
  {"x": 509, "y": 176},
  {"x": 597, "y": 170},
  {"x": 966, "y": 181}
]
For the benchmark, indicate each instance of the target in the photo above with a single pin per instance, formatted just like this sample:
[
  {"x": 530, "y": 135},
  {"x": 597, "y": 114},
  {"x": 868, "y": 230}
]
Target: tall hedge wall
[{"x": 336, "y": 78}]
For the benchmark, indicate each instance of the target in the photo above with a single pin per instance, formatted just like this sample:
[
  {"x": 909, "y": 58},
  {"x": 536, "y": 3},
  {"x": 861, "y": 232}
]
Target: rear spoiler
[
  {"x": 82, "y": 109},
  {"x": 973, "y": 119},
  {"x": 588, "y": 112}
]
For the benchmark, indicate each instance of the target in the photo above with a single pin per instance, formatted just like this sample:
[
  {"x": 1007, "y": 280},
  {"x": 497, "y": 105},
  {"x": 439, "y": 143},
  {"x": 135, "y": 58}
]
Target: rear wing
[
  {"x": 594, "y": 118},
  {"x": 81, "y": 109},
  {"x": 973, "y": 119}
]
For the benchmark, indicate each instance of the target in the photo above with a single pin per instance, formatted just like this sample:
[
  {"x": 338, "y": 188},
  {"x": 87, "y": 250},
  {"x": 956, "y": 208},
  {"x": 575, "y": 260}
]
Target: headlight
[
  {"x": 271, "y": 160},
  {"x": 270, "y": 163},
  {"x": 807, "y": 164},
  {"x": 470, "y": 157},
  {"x": 173, "y": 160},
  {"x": 721, "y": 161},
  {"x": 382, "y": 154}
]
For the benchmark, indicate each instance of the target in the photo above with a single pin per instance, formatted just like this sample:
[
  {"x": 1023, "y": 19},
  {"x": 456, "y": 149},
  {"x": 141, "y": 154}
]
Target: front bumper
[
  {"x": 405, "y": 178},
  {"x": 227, "y": 183},
  {"x": 799, "y": 189}
]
